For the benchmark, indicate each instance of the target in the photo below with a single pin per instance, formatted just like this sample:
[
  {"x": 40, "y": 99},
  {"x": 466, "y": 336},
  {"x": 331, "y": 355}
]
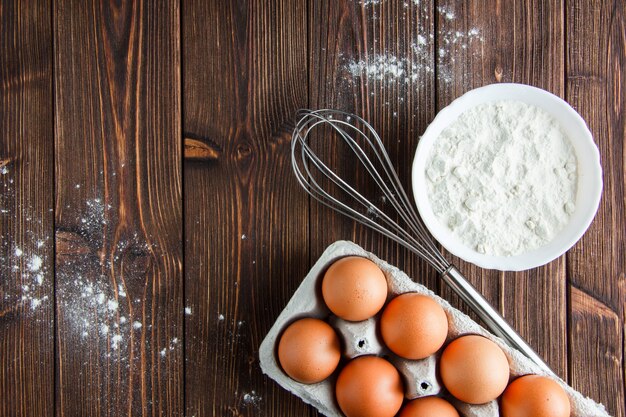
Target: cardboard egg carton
[{"x": 362, "y": 338}]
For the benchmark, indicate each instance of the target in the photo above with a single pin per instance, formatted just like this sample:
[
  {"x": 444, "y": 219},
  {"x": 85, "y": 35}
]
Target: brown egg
[
  {"x": 474, "y": 369},
  {"x": 429, "y": 407},
  {"x": 354, "y": 288},
  {"x": 309, "y": 350},
  {"x": 535, "y": 396},
  {"x": 414, "y": 326},
  {"x": 369, "y": 386}
]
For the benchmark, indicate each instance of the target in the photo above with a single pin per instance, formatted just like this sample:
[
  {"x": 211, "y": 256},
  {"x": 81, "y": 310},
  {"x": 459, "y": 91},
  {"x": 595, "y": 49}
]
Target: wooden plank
[
  {"x": 245, "y": 216},
  {"x": 374, "y": 59},
  {"x": 596, "y": 336},
  {"x": 595, "y": 87},
  {"x": 118, "y": 208},
  {"x": 480, "y": 43},
  {"x": 26, "y": 203}
]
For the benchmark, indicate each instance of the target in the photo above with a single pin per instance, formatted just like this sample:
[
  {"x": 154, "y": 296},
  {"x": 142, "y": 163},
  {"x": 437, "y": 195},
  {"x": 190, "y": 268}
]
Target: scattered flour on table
[
  {"x": 503, "y": 178},
  {"x": 252, "y": 398},
  {"x": 101, "y": 324},
  {"x": 447, "y": 13},
  {"x": 23, "y": 258},
  {"x": 415, "y": 65},
  {"x": 374, "y": 2},
  {"x": 35, "y": 263},
  {"x": 94, "y": 307}
]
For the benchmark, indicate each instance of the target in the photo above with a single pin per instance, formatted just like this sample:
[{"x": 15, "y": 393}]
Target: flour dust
[
  {"x": 25, "y": 261},
  {"x": 415, "y": 65}
]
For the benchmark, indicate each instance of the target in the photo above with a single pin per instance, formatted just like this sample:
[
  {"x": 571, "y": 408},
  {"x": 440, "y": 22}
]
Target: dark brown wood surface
[
  {"x": 26, "y": 210},
  {"x": 118, "y": 212},
  {"x": 152, "y": 230},
  {"x": 595, "y": 86},
  {"x": 246, "y": 227}
]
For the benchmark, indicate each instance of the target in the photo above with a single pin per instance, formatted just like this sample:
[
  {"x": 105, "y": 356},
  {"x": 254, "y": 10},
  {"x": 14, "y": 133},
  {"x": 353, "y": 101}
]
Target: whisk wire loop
[{"x": 361, "y": 138}]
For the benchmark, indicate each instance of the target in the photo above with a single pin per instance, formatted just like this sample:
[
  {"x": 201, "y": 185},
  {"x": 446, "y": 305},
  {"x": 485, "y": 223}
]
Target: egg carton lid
[{"x": 307, "y": 302}]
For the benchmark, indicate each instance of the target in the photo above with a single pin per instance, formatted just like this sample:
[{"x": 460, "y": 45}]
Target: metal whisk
[{"x": 364, "y": 142}]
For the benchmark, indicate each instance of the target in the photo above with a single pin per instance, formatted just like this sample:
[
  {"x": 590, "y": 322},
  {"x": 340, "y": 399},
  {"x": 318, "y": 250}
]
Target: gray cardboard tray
[{"x": 361, "y": 339}]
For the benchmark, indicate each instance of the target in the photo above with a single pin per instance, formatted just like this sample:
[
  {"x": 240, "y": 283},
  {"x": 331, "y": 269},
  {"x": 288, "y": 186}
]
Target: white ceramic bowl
[{"x": 589, "y": 175}]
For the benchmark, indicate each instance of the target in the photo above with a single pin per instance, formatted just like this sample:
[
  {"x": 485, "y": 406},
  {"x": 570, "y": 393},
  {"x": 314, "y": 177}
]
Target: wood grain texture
[
  {"x": 118, "y": 209},
  {"x": 596, "y": 68},
  {"x": 94, "y": 105},
  {"x": 596, "y": 334},
  {"x": 245, "y": 216},
  {"x": 510, "y": 42},
  {"x": 349, "y": 37},
  {"x": 26, "y": 219}
]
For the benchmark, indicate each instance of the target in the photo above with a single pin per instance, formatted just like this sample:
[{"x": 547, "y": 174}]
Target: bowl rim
[{"x": 571, "y": 233}]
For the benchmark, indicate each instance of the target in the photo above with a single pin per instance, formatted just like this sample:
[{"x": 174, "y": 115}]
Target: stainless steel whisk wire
[
  {"x": 415, "y": 236},
  {"x": 392, "y": 190}
]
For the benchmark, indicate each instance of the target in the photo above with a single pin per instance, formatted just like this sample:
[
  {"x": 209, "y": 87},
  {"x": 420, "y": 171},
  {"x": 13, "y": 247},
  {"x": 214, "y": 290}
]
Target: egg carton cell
[
  {"x": 307, "y": 302},
  {"x": 420, "y": 376},
  {"x": 359, "y": 338},
  {"x": 362, "y": 338}
]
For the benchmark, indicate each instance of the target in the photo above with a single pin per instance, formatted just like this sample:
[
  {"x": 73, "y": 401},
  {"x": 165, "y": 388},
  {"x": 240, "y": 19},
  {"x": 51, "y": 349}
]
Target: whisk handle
[{"x": 494, "y": 321}]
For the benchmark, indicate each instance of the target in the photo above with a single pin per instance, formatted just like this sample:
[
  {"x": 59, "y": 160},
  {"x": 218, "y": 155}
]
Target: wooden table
[{"x": 152, "y": 229}]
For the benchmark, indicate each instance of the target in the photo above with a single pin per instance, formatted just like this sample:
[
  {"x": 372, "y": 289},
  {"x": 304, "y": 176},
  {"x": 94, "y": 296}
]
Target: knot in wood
[
  {"x": 243, "y": 150},
  {"x": 498, "y": 71},
  {"x": 135, "y": 260}
]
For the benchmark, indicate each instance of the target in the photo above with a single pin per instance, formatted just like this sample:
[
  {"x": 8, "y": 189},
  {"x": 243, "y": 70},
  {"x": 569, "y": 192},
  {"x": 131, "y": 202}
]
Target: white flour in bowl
[{"x": 503, "y": 178}]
